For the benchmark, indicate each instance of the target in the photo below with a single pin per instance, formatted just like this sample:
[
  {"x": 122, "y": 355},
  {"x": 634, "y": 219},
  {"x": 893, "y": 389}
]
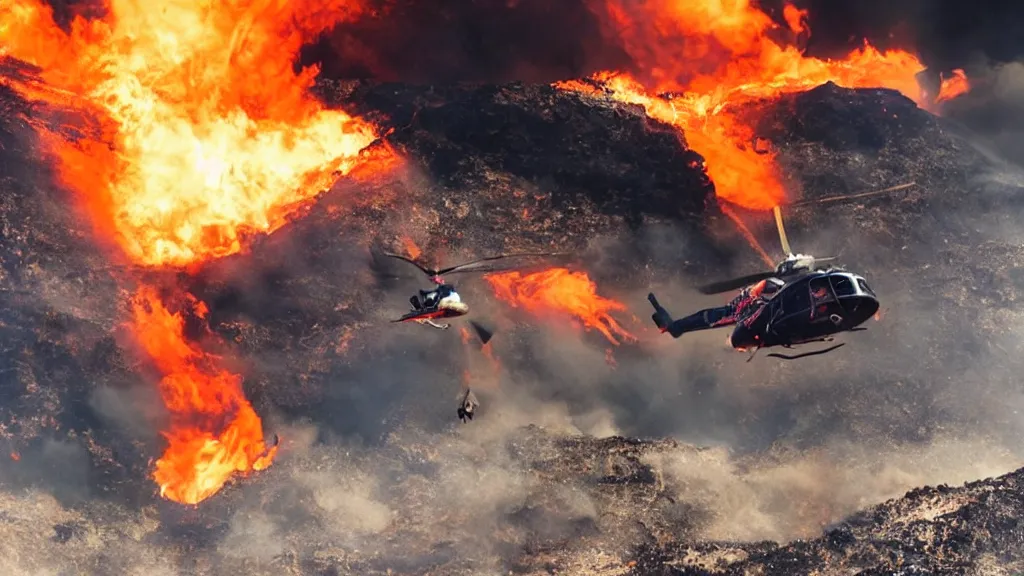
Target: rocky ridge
[{"x": 388, "y": 484}]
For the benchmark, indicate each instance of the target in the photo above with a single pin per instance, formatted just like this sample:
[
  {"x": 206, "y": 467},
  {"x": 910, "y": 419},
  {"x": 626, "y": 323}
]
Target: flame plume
[
  {"x": 717, "y": 55},
  {"x": 215, "y": 432},
  {"x": 560, "y": 291},
  {"x": 205, "y": 135}
]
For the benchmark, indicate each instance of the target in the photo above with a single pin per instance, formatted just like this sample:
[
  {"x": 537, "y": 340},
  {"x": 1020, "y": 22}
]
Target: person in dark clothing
[{"x": 742, "y": 311}]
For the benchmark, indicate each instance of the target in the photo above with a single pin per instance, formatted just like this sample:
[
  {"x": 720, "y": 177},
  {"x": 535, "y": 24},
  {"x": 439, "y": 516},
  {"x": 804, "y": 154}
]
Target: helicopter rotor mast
[
  {"x": 793, "y": 262},
  {"x": 777, "y": 210},
  {"x": 810, "y": 260}
]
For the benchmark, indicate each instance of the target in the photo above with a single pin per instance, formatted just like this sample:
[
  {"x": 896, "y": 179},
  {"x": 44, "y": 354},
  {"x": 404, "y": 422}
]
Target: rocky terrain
[{"x": 776, "y": 468}]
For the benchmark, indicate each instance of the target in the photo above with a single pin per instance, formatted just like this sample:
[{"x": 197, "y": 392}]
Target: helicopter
[
  {"x": 807, "y": 304},
  {"x": 444, "y": 301}
]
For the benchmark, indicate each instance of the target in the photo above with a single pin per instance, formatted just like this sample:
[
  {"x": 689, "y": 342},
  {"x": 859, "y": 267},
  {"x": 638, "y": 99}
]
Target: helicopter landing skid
[{"x": 807, "y": 354}]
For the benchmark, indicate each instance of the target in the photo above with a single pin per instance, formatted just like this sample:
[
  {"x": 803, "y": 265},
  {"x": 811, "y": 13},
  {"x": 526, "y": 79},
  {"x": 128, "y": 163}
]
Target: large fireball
[
  {"x": 714, "y": 56},
  {"x": 205, "y": 134},
  {"x": 564, "y": 292}
]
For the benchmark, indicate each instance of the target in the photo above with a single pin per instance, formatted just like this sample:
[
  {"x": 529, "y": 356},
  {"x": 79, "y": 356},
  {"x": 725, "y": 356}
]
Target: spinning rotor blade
[
  {"x": 734, "y": 283},
  {"x": 790, "y": 266},
  {"x": 473, "y": 266},
  {"x": 413, "y": 262},
  {"x": 743, "y": 281},
  {"x": 380, "y": 265}
]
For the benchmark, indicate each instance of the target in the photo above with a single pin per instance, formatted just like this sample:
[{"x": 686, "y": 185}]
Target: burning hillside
[{"x": 222, "y": 203}]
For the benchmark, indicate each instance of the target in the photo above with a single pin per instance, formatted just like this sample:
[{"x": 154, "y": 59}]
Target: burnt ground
[{"x": 770, "y": 461}]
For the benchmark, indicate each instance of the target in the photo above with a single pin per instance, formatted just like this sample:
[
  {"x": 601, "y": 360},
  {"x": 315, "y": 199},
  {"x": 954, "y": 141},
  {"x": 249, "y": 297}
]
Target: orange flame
[
  {"x": 954, "y": 86},
  {"x": 795, "y": 18},
  {"x": 718, "y": 55},
  {"x": 411, "y": 248},
  {"x": 205, "y": 135},
  {"x": 207, "y": 132},
  {"x": 215, "y": 432},
  {"x": 561, "y": 291}
]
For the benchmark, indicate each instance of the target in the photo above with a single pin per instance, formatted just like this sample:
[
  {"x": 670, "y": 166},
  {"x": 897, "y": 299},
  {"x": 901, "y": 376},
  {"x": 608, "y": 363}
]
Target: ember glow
[
  {"x": 560, "y": 291},
  {"x": 206, "y": 134},
  {"x": 716, "y": 56}
]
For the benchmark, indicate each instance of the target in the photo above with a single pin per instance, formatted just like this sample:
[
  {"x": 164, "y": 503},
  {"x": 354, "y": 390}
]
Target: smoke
[
  {"x": 376, "y": 474},
  {"x": 533, "y": 41},
  {"x": 469, "y": 40},
  {"x": 984, "y": 39},
  {"x": 381, "y": 476},
  {"x": 994, "y": 112},
  {"x": 946, "y": 34},
  {"x": 795, "y": 496}
]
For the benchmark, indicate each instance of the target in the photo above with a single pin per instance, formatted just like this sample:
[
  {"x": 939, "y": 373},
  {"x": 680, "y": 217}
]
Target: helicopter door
[
  {"x": 787, "y": 307},
  {"x": 821, "y": 296},
  {"x": 808, "y": 311}
]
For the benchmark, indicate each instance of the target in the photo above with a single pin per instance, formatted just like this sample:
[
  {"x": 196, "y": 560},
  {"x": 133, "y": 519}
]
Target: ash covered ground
[{"x": 768, "y": 465}]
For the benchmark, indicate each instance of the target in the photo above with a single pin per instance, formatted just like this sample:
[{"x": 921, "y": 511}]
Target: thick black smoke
[
  {"x": 536, "y": 41},
  {"x": 946, "y": 34},
  {"x": 531, "y": 40},
  {"x": 469, "y": 40}
]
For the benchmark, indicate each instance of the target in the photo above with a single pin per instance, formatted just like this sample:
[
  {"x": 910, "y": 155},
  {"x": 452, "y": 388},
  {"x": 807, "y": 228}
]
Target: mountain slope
[{"x": 375, "y": 474}]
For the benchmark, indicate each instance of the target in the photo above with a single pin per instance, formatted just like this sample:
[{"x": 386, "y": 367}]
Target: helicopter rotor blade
[
  {"x": 422, "y": 268},
  {"x": 734, "y": 283},
  {"x": 380, "y": 264},
  {"x": 780, "y": 272},
  {"x": 478, "y": 265},
  {"x": 474, "y": 266}
]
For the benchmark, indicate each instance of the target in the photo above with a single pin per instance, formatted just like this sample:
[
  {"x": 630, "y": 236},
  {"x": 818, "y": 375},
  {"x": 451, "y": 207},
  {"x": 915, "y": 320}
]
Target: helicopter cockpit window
[
  {"x": 819, "y": 290},
  {"x": 843, "y": 286},
  {"x": 864, "y": 286}
]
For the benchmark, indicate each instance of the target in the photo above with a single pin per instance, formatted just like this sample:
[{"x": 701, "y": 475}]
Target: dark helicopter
[
  {"x": 444, "y": 301},
  {"x": 797, "y": 303}
]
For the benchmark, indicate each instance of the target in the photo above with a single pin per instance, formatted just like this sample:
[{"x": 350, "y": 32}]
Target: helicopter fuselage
[
  {"x": 441, "y": 302},
  {"x": 809, "y": 308}
]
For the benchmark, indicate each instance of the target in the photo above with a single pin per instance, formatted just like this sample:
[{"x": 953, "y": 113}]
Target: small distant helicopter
[
  {"x": 444, "y": 301},
  {"x": 810, "y": 304}
]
